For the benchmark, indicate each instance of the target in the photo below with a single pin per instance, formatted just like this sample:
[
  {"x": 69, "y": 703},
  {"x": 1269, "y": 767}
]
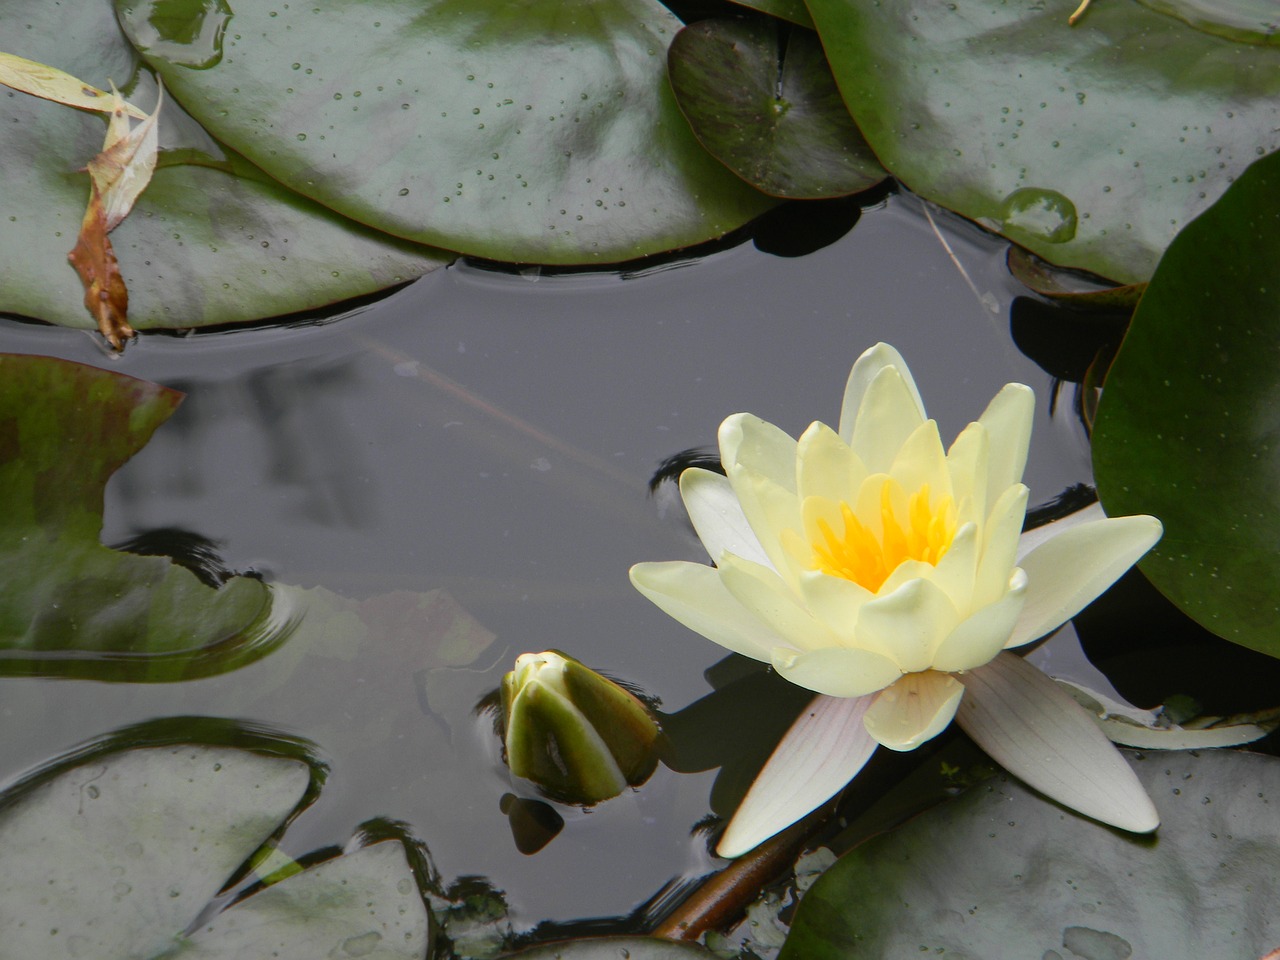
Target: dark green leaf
[
  {"x": 793, "y": 10},
  {"x": 522, "y": 131},
  {"x": 1189, "y": 425},
  {"x": 1090, "y": 145},
  {"x": 764, "y": 103},
  {"x": 211, "y": 240},
  {"x": 1001, "y": 866},
  {"x": 71, "y": 606}
]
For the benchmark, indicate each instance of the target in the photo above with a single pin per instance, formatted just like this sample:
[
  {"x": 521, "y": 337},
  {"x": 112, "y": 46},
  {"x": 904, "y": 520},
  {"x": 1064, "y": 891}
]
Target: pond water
[{"x": 490, "y": 434}]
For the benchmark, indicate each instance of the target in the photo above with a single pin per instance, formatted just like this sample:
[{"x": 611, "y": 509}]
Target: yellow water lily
[{"x": 888, "y": 574}]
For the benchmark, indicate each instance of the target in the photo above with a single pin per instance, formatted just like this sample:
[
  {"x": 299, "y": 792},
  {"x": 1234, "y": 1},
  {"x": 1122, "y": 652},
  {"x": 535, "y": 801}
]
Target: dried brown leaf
[
  {"x": 50, "y": 83},
  {"x": 105, "y": 294}
]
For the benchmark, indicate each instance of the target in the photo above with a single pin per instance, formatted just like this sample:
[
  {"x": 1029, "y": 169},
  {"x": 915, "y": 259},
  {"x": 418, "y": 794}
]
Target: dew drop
[{"x": 1038, "y": 214}]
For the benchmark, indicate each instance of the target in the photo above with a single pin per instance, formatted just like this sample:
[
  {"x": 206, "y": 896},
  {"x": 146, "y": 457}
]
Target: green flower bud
[{"x": 579, "y": 737}]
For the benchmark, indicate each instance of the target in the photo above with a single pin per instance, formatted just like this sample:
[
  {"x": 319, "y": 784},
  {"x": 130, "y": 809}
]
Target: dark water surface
[{"x": 491, "y": 434}]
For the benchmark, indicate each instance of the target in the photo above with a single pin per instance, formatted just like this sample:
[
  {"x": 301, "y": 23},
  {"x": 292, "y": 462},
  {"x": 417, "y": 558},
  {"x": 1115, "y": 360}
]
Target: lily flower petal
[
  {"x": 837, "y": 671},
  {"x": 824, "y": 749},
  {"x": 717, "y": 515},
  {"x": 865, "y": 369},
  {"x": 825, "y": 466},
  {"x": 1008, "y": 419},
  {"x": 980, "y": 637},
  {"x": 1035, "y": 730},
  {"x": 915, "y": 709},
  {"x": 889, "y": 414},
  {"x": 694, "y": 594},
  {"x": 1069, "y": 571},
  {"x": 749, "y": 441},
  {"x": 911, "y": 621}
]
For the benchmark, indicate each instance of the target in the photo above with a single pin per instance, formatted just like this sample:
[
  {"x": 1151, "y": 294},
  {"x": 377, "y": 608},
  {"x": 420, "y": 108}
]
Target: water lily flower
[
  {"x": 578, "y": 736},
  {"x": 890, "y": 576}
]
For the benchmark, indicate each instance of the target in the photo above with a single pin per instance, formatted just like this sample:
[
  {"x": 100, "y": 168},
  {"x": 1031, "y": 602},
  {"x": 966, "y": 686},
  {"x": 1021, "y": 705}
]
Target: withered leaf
[
  {"x": 105, "y": 294},
  {"x": 50, "y": 83}
]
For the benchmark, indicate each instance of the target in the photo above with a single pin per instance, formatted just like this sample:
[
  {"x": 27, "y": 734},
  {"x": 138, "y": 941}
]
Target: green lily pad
[
  {"x": 1246, "y": 21},
  {"x": 763, "y": 102},
  {"x": 72, "y": 607},
  {"x": 1000, "y": 865},
  {"x": 525, "y": 132},
  {"x": 117, "y": 849},
  {"x": 1091, "y": 145},
  {"x": 1188, "y": 422},
  {"x": 211, "y": 240},
  {"x": 793, "y": 10}
]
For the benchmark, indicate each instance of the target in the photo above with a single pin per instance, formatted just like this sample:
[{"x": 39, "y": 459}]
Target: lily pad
[
  {"x": 1246, "y": 21},
  {"x": 116, "y": 850},
  {"x": 793, "y": 10},
  {"x": 71, "y": 606},
  {"x": 1188, "y": 423},
  {"x": 1000, "y": 865},
  {"x": 615, "y": 948},
  {"x": 211, "y": 240},
  {"x": 1090, "y": 145},
  {"x": 762, "y": 101},
  {"x": 520, "y": 131}
]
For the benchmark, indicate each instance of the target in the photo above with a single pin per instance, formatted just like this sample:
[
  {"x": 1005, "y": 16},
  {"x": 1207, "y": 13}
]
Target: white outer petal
[
  {"x": 717, "y": 515},
  {"x": 1035, "y": 730},
  {"x": 694, "y": 594},
  {"x": 914, "y": 710},
  {"x": 824, "y": 749},
  {"x": 1008, "y": 421}
]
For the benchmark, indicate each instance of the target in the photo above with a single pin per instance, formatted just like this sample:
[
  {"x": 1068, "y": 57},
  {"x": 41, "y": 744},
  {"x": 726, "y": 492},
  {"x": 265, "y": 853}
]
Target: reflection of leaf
[
  {"x": 71, "y": 606},
  {"x": 116, "y": 850},
  {"x": 1000, "y": 865},
  {"x": 1188, "y": 423}
]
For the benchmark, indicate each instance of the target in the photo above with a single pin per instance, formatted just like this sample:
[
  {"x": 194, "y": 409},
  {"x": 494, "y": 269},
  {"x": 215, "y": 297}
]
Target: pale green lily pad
[
  {"x": 764, "y": 103},
  {"x": 1188, "y": 422},
  {"x": 1000, "y": 865},
  {"x": 525, "y": 132},
  {"x": 363, "y": 904},
  {"x": 1090, "y": 145},
  {"x": 1246, "y": 21},
  {"x": 206, "y": 244},
  {"x": 116, "y": 853},
  {"x": 72, "y": 607},
  {"x": 615, "y": 948}
]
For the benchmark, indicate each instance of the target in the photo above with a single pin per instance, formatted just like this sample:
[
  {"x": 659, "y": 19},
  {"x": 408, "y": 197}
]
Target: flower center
[{"x": 859, "y": 555}]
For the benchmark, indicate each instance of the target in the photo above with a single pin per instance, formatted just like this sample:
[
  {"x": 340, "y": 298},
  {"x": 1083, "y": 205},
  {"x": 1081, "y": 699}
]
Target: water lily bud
[{"x": 580, "y": 737}]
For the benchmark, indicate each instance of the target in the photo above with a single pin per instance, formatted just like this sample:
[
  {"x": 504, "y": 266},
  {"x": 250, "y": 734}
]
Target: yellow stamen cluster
[{"x": 866, "y": 559}]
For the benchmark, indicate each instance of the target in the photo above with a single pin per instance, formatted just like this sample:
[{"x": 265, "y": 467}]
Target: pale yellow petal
[
  {"x": 910, "y": 623},
  {"x": 771, "y": 510},
  {"x": 1008, "y": 421},
  {"x": 837, "y": 602},
  {"x": 693, "y": 594},
  {"x": 825, "y": 465},
  {"x": 1000, "y": 538},
  {"x": 837, "y": 671},
  {"x": 921, "y": 460},
  {"x": 759, "y": 446},
  {"x": 867, "y": 367},
  {"x": 770, "y": 599},
  {"x": 967, "y": 463},
  {"x": 956, "y": 571},
  {"x": 914, "y": 710},
  {"x": 888, "y": 415},
  {"x": 983, "y": 634},
  {"x": 1071, "y": 570},
  {"x": 717, "y": 516}
]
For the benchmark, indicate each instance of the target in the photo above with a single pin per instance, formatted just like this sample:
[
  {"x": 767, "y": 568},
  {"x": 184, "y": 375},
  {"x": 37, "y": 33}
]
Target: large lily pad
[
  {"x": 1247, "y": 21},
  {"x": 71, "y": 606},
  {"x": 116, "y": 850},
  {"x": 1000, "y": 865},
  {"x": 1092, "y": 146},
  {"x": 762, "y": 100},
  {"x": 615, "y": 948},
  {"x": 1187, "y": 428},
  {"x": 521, "y": 131},
  {"x": 211, "y": 240}
]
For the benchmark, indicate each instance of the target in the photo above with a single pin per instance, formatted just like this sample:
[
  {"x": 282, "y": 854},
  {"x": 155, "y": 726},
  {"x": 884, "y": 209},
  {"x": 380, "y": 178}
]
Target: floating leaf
[
  {"x": 1188, "y": 423},
  {"x": 764, "y": 103},
  {"x": 1246, "y": 21},
  {"x": 1090, "y": 145},
  {"x": 793, "y": 10},
  {"x": 999, "y": 865},
  {"x": 526, "y": 132},
  {"x": 71, "y": 606},
  {"x": 212, "y": 240}
]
